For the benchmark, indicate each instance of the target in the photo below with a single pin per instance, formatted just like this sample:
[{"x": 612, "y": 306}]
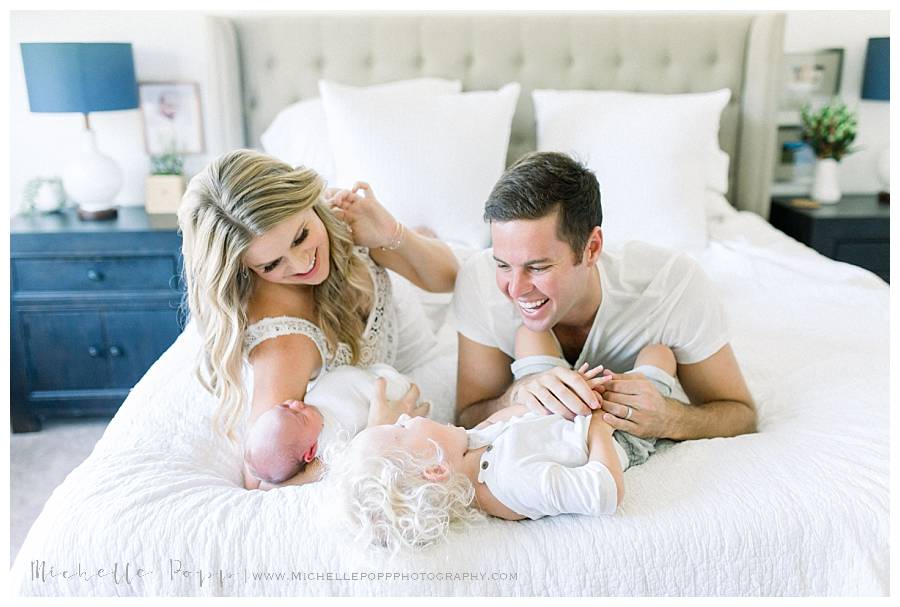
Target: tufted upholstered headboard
[{"x": 263, "y": 62}]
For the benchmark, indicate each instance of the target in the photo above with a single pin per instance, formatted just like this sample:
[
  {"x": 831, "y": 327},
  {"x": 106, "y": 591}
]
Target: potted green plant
[
  {"x": 164, "y": 187},
  {"x": 829, "y": 131}
]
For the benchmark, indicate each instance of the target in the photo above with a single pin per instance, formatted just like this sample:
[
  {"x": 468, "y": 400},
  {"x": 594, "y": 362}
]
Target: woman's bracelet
[{"x": 396, "y": 239}]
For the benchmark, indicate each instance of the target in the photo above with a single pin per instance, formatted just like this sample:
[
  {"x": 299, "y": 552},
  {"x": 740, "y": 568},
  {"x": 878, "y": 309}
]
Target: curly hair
[
  {"x": 388, "y": 503},
  {"x": 237, "y": 197}
]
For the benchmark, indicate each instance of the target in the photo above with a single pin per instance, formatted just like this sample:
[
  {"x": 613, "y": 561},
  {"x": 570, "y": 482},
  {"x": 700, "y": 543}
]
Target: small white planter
[
  {"x": 826, "y": 186},
  {"x": 162, "y": 193}
]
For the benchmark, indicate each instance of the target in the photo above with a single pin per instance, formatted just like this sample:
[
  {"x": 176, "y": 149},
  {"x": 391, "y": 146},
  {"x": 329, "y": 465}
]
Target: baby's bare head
[{"x": 282, "y": 441}]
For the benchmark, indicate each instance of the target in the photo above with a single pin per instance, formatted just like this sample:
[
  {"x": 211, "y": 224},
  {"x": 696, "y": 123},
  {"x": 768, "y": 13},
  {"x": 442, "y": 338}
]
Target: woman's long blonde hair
[{"x": 237, "y": 197}]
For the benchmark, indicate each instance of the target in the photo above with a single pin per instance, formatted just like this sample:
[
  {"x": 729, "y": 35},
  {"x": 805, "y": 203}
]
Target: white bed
[{"x": 799, "y": 508}]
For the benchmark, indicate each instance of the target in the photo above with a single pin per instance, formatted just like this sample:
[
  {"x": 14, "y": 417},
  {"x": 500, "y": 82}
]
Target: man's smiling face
[{"x": 537, "y": 271}]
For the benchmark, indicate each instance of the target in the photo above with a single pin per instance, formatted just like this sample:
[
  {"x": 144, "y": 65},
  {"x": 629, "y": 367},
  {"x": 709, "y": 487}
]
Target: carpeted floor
[{"x": 39, "y": 462}]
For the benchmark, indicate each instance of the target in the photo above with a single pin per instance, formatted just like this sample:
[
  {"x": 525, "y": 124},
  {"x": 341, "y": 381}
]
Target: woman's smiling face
[{"x": 293, "y": 252}]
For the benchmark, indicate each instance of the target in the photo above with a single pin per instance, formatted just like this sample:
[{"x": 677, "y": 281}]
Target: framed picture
[
  {"x": 811, "y": 75},
  {"x": 795, "y": 160},
  {"x": 172, "y": 118}
]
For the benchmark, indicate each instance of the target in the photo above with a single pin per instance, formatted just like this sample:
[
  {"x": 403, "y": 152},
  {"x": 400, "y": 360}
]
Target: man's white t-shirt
[{"x": 649, "y": 295}]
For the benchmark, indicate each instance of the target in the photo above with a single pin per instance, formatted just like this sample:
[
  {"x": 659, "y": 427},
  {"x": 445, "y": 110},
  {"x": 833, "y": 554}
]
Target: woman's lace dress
[{"x": 379, "y": 342}]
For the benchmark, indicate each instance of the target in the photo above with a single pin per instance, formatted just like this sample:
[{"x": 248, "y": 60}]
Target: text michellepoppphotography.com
[{"x": 177, "y": 571}]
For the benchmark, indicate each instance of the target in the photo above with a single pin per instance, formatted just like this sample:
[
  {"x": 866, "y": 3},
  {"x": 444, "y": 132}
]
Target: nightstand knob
[
  {"x": 93, "y": 351},
  {"x": 115, "y": 351},
  {"x": 94, "y": 275}
]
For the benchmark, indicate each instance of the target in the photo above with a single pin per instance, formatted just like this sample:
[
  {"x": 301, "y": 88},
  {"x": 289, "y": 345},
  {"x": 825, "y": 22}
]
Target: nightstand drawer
[
  {"x": 93, "y": 274},
  {"x": 63, "y": 350},
  {"x": 872, "y": 255}
]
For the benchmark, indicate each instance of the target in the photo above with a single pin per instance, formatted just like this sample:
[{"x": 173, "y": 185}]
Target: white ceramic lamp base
[{"x": 92, "y": 180}]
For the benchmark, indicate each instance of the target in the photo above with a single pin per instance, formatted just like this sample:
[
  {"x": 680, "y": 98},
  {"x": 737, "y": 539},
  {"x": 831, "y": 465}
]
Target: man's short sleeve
[
  {"x": 469, "y": 303},
  {"x": 696, "y": 328}
]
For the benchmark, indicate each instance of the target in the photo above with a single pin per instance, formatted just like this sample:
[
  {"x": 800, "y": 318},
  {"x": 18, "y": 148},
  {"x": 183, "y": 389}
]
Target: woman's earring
[{"x": 245, "y": 273}]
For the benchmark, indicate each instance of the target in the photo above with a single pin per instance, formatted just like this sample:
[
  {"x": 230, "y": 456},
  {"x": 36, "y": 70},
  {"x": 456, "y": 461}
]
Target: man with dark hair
[{"x": 548, "y": 270}]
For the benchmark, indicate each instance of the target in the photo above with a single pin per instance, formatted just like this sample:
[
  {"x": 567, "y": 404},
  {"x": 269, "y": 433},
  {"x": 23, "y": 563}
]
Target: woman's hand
[
  {"x": 310, "y": 474},
  {"x": 371, "y": 224},
  {"x": 383, "y": 411},
  {"x": 415, "y": 254},
  {"x": 250, "y": 481}
]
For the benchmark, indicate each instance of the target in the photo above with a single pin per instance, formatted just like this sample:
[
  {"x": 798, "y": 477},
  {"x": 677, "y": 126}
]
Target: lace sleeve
[
  {"x": 271, "y": 327},
  {"x": 379, "y": 343}
]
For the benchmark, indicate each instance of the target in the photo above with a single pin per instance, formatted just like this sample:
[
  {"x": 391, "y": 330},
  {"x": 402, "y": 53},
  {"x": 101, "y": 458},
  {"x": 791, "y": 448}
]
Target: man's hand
[
  {"x": 383, "y": 411},
  {"x": 634, "y": 405},
  {"x": 565, "y": 392}
]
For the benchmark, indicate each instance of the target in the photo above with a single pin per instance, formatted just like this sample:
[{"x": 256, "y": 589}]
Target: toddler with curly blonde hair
[{"x": 406, "y": 485}]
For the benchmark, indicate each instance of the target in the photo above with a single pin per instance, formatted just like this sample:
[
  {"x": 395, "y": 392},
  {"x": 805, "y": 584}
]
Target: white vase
[{"x": 826, "y": 187}]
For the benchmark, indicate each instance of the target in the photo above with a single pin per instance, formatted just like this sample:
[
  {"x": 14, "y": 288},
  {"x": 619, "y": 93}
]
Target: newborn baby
[{"x": 284, "y": 439}]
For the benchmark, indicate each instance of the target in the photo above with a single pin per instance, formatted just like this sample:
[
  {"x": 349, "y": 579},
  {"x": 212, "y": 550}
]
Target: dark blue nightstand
[
  {"x": 856, "y": 230},
  {"x": 93, "y": 305}
]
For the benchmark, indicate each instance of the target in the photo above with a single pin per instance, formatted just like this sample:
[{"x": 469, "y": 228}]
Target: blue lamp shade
[
  {"x": 79, "y": 77},
  {"x": 877, "y": 74}
]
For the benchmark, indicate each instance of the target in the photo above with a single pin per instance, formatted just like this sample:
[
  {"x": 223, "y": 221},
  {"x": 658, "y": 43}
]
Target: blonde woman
[{"x": 276, "y": 277}]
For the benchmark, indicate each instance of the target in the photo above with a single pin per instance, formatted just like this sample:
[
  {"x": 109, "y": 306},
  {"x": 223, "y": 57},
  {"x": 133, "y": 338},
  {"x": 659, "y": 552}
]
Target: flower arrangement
[{"x": 830, "y": 130}]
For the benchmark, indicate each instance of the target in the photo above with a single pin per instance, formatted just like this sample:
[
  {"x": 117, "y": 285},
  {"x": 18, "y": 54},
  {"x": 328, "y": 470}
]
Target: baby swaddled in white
[
  {"x": 286, "y": 438},
  {"x": 343, "y": 395}
]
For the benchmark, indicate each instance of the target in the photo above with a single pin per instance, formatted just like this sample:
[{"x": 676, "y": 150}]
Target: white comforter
[{"x": 801, "y": 508}]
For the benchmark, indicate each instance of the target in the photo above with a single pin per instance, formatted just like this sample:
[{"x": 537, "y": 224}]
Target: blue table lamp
[
  {"x": 877, "y": 87},
  {"x": 83, "y": 77}
]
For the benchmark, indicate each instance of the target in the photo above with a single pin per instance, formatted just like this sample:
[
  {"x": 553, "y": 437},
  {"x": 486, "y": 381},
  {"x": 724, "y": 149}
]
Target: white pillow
[
  {"x": 656, "y": 156},
  {"x": 299, "y": 135},
  {"x": 432, "y": 161}
]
